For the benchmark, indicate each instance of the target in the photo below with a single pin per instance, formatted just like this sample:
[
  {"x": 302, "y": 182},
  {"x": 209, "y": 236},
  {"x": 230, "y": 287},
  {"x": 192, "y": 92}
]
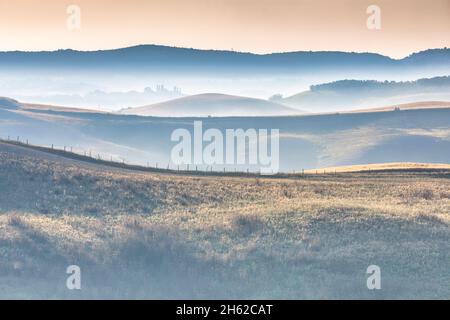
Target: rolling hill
[
  {"x": 212, "y": 104},
  {"x": 356, "y": 94}
]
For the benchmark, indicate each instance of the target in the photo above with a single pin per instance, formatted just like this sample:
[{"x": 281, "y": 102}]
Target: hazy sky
[{"x": 244, "y": 25}]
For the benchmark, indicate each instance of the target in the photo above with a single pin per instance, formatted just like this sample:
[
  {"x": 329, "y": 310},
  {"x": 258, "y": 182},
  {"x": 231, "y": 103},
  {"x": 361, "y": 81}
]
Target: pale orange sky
[{"x": 259, "y": 26}]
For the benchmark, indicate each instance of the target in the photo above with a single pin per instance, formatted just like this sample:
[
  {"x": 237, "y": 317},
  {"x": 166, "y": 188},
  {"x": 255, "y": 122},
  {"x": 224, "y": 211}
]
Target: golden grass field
[
  {"x": 164, "y": 235},
  {"x": 394, "y": 166}
]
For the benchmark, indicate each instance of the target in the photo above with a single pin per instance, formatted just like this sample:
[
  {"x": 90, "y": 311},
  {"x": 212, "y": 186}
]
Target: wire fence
[{"x": 116, "y": 160}]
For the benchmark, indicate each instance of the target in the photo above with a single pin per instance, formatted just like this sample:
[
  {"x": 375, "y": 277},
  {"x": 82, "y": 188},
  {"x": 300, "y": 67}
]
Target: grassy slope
[{"x": 154, "y": 235}]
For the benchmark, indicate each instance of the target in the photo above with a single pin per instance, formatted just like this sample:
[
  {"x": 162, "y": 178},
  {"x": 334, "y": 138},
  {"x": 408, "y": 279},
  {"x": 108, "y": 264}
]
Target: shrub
[
  {"x": 426, "y": 194},
  {"x": 15, "y": 220},
  {"x": 247, "y": 224}
]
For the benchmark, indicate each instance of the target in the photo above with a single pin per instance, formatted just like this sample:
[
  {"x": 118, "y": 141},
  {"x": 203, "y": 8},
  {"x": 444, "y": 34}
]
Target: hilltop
[
  {"x": 359, "y": 94},
  {"x": 215, "y": 105}
]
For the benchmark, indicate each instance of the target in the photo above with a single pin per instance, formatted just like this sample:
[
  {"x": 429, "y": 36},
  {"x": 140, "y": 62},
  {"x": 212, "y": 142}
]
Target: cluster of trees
[{"x": 372, "y": 85}]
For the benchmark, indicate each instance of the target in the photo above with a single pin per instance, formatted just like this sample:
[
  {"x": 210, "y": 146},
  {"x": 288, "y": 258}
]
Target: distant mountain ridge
[{"x": 154, "y": 57}]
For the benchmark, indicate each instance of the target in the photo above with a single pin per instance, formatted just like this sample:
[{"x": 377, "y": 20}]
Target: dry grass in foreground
[{"x": 152, "y": 235}]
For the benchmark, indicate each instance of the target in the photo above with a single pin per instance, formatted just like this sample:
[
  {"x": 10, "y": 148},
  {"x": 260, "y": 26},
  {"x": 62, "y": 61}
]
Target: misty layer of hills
[
  {"x": 102, "y": 100},
  {"x": 342, "y": 95},
  {"x": 357, "y": 94},
  {"x": 242, "y": 82},
  {"x": 113, "y": 79},
  {"x": 335, "y": 96},
  {"x": 415, "y": 135}
]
